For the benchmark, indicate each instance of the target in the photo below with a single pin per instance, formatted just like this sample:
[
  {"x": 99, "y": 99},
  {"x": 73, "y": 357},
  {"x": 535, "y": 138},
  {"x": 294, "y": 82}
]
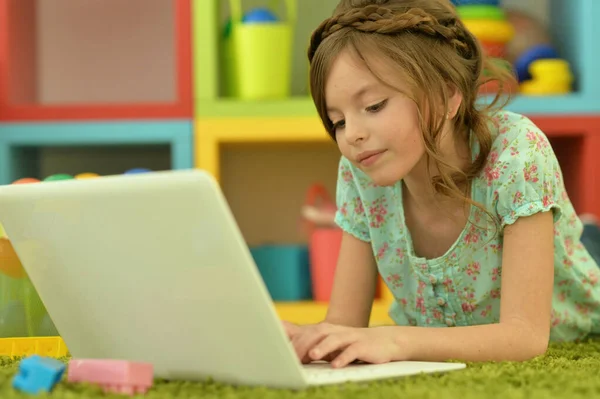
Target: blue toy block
[{"x": 38, "y": 374}]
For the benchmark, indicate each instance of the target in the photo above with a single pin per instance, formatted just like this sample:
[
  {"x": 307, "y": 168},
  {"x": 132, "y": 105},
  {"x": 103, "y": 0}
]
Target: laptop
[{"x": 154, "y": 268}]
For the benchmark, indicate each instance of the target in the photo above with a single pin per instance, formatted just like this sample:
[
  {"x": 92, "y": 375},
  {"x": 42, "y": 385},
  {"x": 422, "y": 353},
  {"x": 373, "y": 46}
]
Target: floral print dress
[{"x": 461, "y": 288}]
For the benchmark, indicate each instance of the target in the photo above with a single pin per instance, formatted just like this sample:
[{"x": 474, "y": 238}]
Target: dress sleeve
[
  {"x": 350, "y": 215},
  {"x": 526, "y": 176}
]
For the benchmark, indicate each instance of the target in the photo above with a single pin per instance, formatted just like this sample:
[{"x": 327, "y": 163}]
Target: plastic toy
[
  {"x": 535, "y": 53},
  {"x": 28, "y": 346},
  {"x": 117, "y": 376},
  {"x": 58, "y": 177},
  {"x": 488, "y": 30},
  {"x": 38, "y": 374},
  {"x": 488, "y": 23},
  {"x": 10, "y": 265},
  {"x": 136, "y": 171},
  {"x": 259, "y": 15},
  {"x": 550, "y": 77},
  {"x": 481, "y": 11},
  {"x": 257, "y": 51},
  {"x": 87, "y": 175},
  {"x": 26, "y": 180}
]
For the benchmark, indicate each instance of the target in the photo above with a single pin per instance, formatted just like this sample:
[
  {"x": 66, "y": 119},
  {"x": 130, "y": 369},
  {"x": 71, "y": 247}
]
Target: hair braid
[{"x": 382, "y": 20}]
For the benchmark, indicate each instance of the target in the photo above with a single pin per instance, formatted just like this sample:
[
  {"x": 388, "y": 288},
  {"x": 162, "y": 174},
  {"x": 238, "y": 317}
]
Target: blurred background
[{"x": 96, "y": 87}]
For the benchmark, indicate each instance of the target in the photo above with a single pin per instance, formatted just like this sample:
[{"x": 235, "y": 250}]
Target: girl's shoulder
[
  {"x": 521, "y": 174},
  {"x": 516, "y": 135}
]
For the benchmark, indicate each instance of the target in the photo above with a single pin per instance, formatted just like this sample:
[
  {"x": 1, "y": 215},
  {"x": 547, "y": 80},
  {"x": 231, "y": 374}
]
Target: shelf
[
  {"x": 65, "y": 60},
  {"x": 211, "y": 134},
  {"x": 572, "y": 27},
  {"x": 314, "y": 312},
  {"x": 20, "y": 142},
  {"x": 222, "y": 108}
]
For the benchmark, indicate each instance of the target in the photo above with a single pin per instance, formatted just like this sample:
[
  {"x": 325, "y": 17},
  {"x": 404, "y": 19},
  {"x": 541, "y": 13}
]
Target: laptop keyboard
[{"x": 323, "y": 372}]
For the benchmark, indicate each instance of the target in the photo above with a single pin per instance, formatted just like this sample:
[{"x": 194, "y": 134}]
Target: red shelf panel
[
  {"x": 65, "y": 60},
  {"x": 576, "y": 142}
]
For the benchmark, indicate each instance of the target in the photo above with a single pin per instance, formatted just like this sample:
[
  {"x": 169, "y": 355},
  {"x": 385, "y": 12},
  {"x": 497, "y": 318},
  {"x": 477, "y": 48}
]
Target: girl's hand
[
  {"x": 342, "y": 345},
  {"x": 298, "y": 335}
]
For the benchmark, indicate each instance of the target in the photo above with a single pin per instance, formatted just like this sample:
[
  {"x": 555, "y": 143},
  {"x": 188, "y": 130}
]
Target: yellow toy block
[
  {"x": 495, "y": 31},
  {"x": 549, "y": 76},
  {"x": 43, "y": 346}
]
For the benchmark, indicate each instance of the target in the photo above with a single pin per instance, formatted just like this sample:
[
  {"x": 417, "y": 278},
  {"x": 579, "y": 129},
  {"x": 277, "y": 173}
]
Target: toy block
[
  {"x": 24, "y": 346},
  {"x": 116, "y": 376},
  {"x": 51, "y": 347},
  {"x": 43, "y": 346},
  {"x": 38, "y": 374}
]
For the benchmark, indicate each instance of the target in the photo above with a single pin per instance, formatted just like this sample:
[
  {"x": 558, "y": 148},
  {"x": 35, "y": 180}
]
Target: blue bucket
[{"x": 285, "y": 270}]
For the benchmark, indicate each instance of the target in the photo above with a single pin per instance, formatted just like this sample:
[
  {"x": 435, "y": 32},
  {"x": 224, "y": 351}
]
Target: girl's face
[{"x": 376, "y": 127}]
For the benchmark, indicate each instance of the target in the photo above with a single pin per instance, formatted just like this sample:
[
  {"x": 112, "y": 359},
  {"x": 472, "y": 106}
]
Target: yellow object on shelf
[
  {"x": 43, "y": 346},
  {"x": 86, "y": 175},
  {"x": 487, "y": 30},
  {"x": 549, "y": 77}
]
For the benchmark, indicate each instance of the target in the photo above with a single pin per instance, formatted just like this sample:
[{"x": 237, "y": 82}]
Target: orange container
[{"x": 323, "y": 245}]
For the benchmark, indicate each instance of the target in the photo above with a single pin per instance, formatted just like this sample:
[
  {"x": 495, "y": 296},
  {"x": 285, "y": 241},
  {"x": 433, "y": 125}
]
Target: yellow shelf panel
[
  {"x": 314, "y": 312},
  {"x": 261, "y": 129},
  {"x": 211, "y": 133}
]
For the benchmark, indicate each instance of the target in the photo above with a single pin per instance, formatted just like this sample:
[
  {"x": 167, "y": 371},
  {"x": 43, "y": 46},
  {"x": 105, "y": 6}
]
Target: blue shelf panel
[
  {"x": 574, "y": 103},
  {"x": 176, "y": 134},
  {"x": 575, "y": 33}
]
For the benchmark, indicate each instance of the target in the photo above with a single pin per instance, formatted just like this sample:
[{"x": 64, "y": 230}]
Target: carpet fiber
[{"x": 566, "y": 371}]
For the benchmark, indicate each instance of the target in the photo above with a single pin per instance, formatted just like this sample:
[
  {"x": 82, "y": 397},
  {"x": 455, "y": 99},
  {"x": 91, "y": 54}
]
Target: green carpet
[{"x": 566, "y": 371}]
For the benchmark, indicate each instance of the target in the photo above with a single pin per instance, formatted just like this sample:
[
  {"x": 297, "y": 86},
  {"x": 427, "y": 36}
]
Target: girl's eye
[
  {"x": 339, "y": 125},
  {"x": 377, "y": 107}
]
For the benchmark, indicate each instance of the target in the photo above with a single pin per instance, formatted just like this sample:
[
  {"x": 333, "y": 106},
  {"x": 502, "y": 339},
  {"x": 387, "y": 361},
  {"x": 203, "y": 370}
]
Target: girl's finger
[
  {"x": 304, "y": 341},
  {"x": 311, "y": 337},
  {"x": 350, "y": 354},
  {"x": 332, "y": 343}
]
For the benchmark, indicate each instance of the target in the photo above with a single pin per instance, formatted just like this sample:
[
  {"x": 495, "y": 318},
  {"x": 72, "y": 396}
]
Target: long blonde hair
[{"x": 428, "y": 43}]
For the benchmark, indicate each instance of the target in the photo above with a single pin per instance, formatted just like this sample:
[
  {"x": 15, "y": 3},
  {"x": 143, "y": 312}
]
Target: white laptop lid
[{"x": 153, "y": 268}]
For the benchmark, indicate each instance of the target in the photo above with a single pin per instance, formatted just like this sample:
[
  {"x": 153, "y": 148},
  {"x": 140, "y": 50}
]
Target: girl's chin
[{"x": 384, "y": 179}]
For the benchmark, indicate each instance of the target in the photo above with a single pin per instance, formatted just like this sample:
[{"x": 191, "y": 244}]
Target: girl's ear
[{"x": 454, "y": 101}]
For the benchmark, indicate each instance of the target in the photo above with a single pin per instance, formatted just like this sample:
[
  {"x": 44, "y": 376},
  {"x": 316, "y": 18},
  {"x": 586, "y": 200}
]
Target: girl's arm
[
  {"x": 354, "y": 284},
  {"x": 524, "y": 328}
]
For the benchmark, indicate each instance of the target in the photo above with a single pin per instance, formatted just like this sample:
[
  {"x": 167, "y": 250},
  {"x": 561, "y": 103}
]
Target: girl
[{"x": 461, "y": 210}]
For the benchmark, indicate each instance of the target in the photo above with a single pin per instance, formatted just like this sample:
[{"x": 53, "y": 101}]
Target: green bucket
[
  {"x": 258, "y": 56},
  {"x": 22, "y": 313}
]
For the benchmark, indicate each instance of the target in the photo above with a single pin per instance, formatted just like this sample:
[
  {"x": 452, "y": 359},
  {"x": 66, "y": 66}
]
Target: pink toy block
[{"x": 117, "y": 376}]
